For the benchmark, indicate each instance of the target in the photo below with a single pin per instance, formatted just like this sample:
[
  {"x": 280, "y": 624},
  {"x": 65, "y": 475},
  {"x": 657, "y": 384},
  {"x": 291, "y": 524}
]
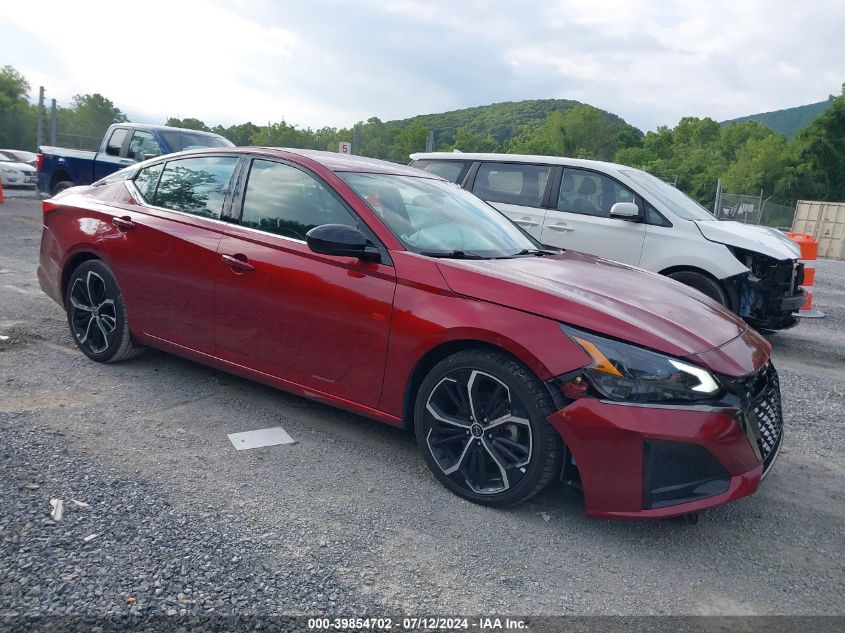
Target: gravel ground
[{"x": 348, "y": 520}]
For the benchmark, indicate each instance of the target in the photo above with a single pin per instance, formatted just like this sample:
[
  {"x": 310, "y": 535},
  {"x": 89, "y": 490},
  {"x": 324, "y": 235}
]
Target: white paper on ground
[{"x": 259, "y": 438}]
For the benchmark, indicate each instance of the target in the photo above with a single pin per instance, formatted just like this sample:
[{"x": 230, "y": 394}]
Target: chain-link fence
[
  {"x": 739, "y": 207},
  {"x": 753, "y": 210},
  {"x": 777, "y": 215}
]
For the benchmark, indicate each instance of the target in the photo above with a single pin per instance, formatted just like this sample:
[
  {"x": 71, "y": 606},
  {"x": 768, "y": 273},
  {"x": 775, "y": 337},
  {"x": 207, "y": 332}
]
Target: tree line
[{"x": 694, "y": 154}]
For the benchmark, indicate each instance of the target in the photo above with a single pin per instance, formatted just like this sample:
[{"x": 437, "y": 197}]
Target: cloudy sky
[{"x": 334, "y": 62}]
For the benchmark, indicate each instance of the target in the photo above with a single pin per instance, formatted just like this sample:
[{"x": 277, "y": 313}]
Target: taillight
[
  {"x": 39, "y": 160},
  {"x": 46, "y": 207}
]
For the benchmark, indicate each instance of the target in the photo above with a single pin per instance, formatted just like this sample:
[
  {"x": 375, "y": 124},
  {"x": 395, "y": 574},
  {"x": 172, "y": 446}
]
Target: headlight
[{"x": 621, "y": 371}]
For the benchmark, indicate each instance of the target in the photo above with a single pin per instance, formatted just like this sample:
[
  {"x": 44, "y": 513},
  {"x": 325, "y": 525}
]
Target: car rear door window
[
  {"x": 512, "y": 183},
  {"x": 196, "y": 185},
  {"x": 146, "y": 181},
  {"x": 590, "y": 193},
  {"x": 454, "y": 170},
  {"x": 115, "y": 143},
  {"x": 143, "y": 144},
  {"x": 284, "y": 200}
]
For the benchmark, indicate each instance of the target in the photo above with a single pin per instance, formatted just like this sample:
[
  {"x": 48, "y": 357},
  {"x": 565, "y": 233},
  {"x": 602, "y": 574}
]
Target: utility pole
[
  {"x": 53, "y": 116},
  {"x": 268, "y": 133},
  {"x": 40, "y": 134},
  {"x": 429, "y": 141},
  {"x": 356, "y": 139}
]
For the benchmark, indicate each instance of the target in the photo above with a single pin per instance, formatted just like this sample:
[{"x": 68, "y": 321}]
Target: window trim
[{"x": 544, "y": 198}]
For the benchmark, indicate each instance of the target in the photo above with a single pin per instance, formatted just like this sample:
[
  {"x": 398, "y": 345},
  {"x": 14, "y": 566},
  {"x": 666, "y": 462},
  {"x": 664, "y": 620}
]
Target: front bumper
[
  {"x": 656, "y": 461},
  {"x": 770, "y": 293}
]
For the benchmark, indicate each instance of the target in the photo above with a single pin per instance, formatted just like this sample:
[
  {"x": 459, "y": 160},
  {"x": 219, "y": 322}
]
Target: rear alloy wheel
[
  {"x": 703, "y": 284},
  {"x": 481, "y": 424},
  {"x": 96, "y": 314}
]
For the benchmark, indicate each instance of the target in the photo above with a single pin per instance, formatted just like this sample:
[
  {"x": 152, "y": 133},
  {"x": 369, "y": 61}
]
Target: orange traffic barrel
[{"x": 809, "y": 253}]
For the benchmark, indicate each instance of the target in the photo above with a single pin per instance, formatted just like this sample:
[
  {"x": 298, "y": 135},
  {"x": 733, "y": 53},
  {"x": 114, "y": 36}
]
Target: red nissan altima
[{"x": 396, "y": 294}]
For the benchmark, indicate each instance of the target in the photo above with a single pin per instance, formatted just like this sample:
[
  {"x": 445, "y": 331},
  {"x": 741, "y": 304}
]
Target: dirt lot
[{"x": 348, "y": 519}]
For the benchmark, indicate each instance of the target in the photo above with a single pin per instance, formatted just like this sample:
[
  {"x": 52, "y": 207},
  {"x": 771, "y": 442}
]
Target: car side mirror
[
  {"x": 625, "y": 211},
  {"x": 149, "y": 156},
  {"x": 341, "y": 240}
]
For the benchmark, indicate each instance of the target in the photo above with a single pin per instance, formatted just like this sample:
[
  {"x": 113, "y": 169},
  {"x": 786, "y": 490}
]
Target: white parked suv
[{"x": 628, "y": 215}]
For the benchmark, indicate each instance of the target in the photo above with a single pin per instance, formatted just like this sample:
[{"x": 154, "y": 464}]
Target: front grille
[{"x": 763, "y": 414}]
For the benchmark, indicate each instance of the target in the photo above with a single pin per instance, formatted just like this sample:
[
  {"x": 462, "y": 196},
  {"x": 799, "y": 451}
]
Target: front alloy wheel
[{"x": 480, "y": 421}]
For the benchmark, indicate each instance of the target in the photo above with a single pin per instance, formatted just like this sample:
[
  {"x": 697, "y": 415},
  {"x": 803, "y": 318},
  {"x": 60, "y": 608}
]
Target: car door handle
[
  {"x": 124, "y": 223},
  {"x": 527, "y": 222},
  {"x": 560, "y": 227},
  {"x": 238, "y": 261}
]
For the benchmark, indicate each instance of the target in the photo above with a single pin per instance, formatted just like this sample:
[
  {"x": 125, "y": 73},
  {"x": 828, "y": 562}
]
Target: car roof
[
  {"x": 330, "y": 160},
  {"x": 522, "y": 158},
  {"x": 164, "y": 128}
]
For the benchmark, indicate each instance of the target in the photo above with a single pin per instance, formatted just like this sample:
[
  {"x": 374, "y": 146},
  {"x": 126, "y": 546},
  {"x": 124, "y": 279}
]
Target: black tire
[
  {"x": 495, "y": 464},
  {"x": 704, "y": 284},
  {"x": 96, "y": 314},
  {"x": 61, "y": 186}
]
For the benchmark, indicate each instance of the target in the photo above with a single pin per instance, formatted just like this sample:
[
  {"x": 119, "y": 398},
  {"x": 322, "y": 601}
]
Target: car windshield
[
  {"x": 438, "y": 218},
  {"x": 678, "y": 202}
]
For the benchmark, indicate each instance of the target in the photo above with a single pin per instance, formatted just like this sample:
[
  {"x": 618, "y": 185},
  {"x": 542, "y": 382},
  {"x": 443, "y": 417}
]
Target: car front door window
[
  {"x": 284, "y": 200},
  {"x": 143, "y": 145},
  {"x": 590, "y": 193}
]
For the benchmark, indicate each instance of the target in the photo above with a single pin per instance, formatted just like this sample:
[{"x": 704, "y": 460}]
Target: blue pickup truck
[{"x": 124, "y": 144}]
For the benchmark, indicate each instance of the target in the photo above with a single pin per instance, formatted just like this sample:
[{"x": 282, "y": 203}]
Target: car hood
[
  {"x": 759, "y": 239},
  {"x": 600, "y": 295}
]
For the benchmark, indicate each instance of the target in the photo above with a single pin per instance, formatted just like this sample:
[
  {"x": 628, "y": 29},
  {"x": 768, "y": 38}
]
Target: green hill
[
  {"x": 502, "y": 121},
  {"x": 787, "y": 121}
]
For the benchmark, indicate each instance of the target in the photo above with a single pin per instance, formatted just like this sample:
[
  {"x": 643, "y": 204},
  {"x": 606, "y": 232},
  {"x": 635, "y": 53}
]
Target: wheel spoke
[
  {"x": 510, "y": 444},
  {"x": 482, "y": 469},
  {"x": 105, "y": 333},
  {"x": 450, "y": 435},
  {"x": 457, "y": 464},
  {"x": 438, "y": 415},
  {"x": 504, "y": 451},
  {"x": 80, "y": 296},
  {"x": 490, "y": 451},
  {"x": 87, "y": 332},
  {"x": 507, "y": 419},
  {"x": 79, "y": 305},
  {"x": 498, "y": 402},
  {"x": 108, "y": 321},
  {"x": 457, "y": 395},
  {"x": 97, "y": 289}
]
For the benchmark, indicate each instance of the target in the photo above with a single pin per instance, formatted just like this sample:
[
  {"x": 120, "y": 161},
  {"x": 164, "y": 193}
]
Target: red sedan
[{"x": 396, "y": 294}]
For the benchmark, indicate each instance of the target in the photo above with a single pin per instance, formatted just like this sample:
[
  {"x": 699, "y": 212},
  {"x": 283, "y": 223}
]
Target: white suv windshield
[
  {"x": 438, "y": 218},
  {"x": 680, "y": 203}
]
